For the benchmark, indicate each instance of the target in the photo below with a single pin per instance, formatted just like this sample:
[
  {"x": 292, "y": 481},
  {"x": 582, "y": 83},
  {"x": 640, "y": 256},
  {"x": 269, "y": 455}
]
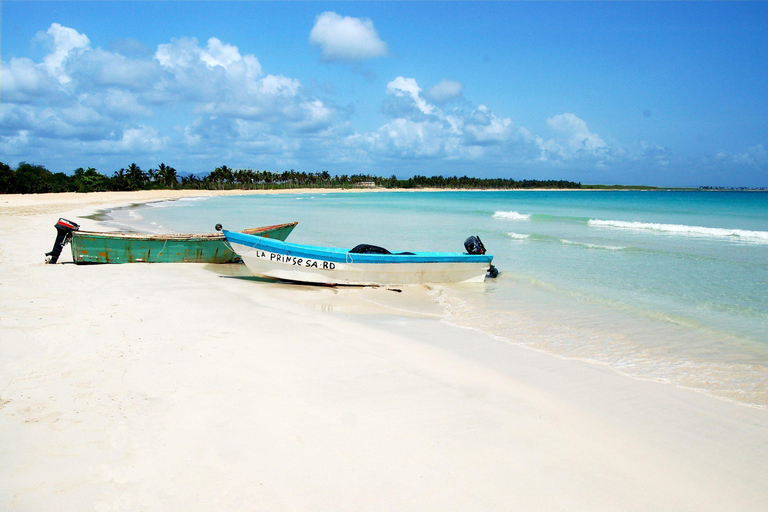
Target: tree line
[{"x": 34, "y": 179}]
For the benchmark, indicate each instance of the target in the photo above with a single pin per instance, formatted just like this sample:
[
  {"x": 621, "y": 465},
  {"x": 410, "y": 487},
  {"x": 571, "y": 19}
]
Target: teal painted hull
[{"x": 93, "y": 247}]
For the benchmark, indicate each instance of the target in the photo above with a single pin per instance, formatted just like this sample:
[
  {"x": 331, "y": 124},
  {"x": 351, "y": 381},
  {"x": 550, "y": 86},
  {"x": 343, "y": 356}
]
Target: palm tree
[
  {"x": 166, "y": 175},
  {"x": 119, "y": 181},
  {"x": 220, "y": 176},
  {"x": 136, "y": 177}
]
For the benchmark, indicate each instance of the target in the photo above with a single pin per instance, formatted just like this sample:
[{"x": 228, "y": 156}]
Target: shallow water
[{"x": 660, "y": 285}]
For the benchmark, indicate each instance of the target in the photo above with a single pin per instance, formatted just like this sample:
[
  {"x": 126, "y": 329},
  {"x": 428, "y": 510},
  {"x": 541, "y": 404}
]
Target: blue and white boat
[{"x": 362, "y": 265}]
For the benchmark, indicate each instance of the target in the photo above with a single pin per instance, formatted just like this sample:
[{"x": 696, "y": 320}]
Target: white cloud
[
  {"x": 754, "y": 156},
  {"x": 178, "y": 54},
  {"x": 219, "y": 54},
  {"x": 409, "y": 139},
  {"x": 314, "y": 115},
  {"x": 219, "y": 81},
  {"x": 23, "y": 81},
  {"x": 142, "y": 138},
  {"x": 96, "y": 68},
  {"x": 116, "y": 102},
  {"x": 16, "y": 118},
  {"x": 68, "y": 123},
  {"x": 445, "y": 91},
  {"x": 574, "y": 132},
  {"x": 482, "y": 128},
  {"x": 13, "y": 146},
  {"x": 92, "y": 101},
  {"x": 407, "y": 87},
  {"x": 65, "y": 44},
  {"x": 572, "y": 139},
  {"x": 346, "y": 38},
  {"x": 647, "y": 152},
  {"x": 280, "y": 86},
  {"x": 419, "y": 128},
  {"x": 198, "y": 71}
]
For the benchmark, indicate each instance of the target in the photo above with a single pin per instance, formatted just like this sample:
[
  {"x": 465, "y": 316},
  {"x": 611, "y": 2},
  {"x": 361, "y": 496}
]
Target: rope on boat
[
  {"x": 160, "y": 252},
  {"x": 252, "y": 247},
  {"x": 229, "y": 246}
]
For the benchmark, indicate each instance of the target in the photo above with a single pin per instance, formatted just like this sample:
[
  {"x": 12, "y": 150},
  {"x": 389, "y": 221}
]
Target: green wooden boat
[{"x": 103, "y": 247}]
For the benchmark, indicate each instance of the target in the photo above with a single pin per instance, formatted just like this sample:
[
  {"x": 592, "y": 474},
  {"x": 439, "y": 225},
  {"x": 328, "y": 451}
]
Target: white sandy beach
[{"x": 179, "y": 387}]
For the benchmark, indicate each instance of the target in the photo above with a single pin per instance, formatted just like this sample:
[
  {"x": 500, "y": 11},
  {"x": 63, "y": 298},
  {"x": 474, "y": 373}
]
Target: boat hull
[
  {"x": 291, "y": 262},
  {"x": 94, "y": 247}
]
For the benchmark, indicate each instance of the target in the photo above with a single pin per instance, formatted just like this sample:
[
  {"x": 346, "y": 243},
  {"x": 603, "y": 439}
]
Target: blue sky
[{"x": 669, "y": 94}]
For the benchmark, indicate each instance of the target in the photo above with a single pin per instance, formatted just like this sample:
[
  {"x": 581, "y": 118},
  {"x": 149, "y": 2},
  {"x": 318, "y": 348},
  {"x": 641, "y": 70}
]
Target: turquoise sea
[{"x": 663, "y": 285}]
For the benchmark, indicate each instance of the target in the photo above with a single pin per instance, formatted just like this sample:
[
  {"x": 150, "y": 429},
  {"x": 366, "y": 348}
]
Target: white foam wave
[
  {"x": 681, "y": 229},
  {"x": 175, "y": 202},
  {"x": 517, "y": 236},
  {"x": 512, "y": 215},
  {"x": 594, "y": 246},
  {"x": 159, "y": 204}
]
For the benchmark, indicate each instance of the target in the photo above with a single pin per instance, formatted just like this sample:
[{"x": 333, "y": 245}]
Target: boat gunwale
[{"x": 174, "y": 236}]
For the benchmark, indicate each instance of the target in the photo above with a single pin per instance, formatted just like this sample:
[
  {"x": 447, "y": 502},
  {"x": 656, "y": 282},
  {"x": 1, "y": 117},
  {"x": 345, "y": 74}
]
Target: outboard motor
[
  {"x": 473, "y": 245},
  {"x": 64, "y": 229}
]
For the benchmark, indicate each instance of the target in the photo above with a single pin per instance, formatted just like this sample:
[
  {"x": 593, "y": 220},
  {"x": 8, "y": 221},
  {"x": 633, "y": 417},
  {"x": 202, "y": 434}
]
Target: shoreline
[{"x": 125, "y": 386}]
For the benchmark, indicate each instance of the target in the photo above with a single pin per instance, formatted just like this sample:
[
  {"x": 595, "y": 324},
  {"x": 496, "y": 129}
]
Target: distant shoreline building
[{"x": 365, "y": 184}]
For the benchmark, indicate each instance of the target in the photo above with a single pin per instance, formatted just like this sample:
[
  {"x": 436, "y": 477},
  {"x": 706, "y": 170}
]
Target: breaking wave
[
  {"x": 741, "y": 235},
  {"x": 594, "y": 246},
  {"x": 533, "y": 237},
  {"x": 512, "y": 215},
  {"x": 681, "y": 229}
]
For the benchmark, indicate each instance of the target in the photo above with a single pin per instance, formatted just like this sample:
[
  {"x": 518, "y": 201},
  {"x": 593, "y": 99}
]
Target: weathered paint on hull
[
  {"x": 92, "y": 247},
  {"x": 318, "y": 271}
]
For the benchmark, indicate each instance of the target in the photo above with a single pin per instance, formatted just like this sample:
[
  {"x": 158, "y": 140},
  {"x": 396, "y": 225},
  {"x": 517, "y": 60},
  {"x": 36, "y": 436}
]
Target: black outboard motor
[
  {"x": 473, "y": 245},
  {"x": 64, "y": 229}
]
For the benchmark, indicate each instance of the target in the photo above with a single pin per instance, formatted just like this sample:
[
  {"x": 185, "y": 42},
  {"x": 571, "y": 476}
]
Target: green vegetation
[{"x": 32, "y": 179}]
